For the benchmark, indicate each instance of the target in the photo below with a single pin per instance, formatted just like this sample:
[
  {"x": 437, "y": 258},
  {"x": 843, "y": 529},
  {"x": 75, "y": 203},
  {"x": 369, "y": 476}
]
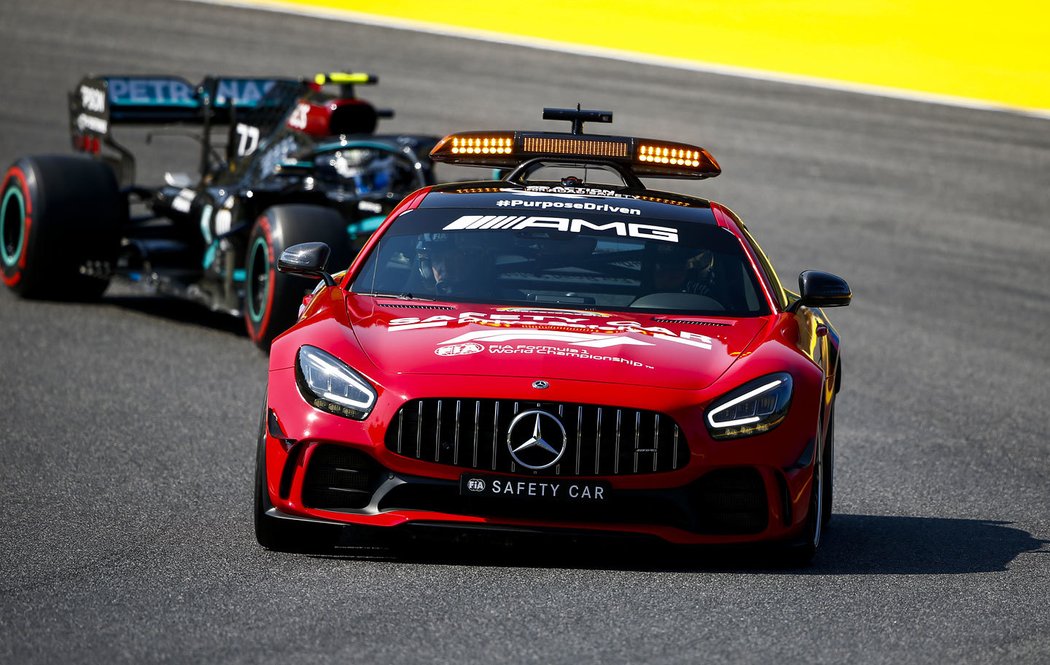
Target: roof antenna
[{"x": 577, "y": 117}]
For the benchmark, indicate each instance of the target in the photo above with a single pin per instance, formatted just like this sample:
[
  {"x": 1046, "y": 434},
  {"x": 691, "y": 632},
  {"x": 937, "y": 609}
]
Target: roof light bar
[{"x": 642, "y": 157}]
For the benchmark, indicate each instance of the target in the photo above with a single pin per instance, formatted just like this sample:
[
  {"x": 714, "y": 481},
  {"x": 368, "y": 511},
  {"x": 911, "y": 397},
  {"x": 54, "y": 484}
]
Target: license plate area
[{"x": 533, "y": 490}]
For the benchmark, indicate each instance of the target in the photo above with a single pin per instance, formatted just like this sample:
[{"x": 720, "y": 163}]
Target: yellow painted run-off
[{"x": 993, "y": 52}]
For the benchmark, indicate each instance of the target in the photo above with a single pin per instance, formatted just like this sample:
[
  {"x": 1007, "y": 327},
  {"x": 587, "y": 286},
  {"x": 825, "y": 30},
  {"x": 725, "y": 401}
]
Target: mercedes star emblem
[
  {"x": 536, "y": 439},
  {"x": 540, "y": 385}
]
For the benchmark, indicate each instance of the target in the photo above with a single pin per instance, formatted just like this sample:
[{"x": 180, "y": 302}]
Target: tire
[
  {"x": 828, "y": 481},
  {"x": 282, "y": 534},
  {"x": 57, "y": 215},
  {"x": 272, "y": 298},
  {"x": 801, "y": 552}
]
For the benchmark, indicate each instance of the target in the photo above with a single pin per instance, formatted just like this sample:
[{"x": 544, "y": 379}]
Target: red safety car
[{"x": 563, "y": 350}]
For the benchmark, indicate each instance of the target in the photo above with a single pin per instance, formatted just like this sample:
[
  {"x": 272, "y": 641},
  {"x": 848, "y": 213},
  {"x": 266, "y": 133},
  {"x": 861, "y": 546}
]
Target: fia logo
[
  {"x": 476, "y": 485},
  {"x": 459, "y": 349}
]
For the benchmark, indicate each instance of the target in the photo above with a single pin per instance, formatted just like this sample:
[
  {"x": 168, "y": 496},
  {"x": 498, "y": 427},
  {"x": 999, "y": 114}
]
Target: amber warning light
[
  {"x": 501, "y": 144},
  {"x": 664, "y": 154}
]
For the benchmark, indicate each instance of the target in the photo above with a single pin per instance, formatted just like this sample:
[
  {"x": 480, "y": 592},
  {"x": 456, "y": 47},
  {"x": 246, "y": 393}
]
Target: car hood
[{"x": 669, "y": 351}]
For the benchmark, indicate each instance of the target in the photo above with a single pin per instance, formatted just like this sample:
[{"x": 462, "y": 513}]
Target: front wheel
[
  {"x": 272, "y": 298},
  {"x": 828, "y": 482},
  {"x": 283, "y": 534},
  {"x": 801, "y": 553}
]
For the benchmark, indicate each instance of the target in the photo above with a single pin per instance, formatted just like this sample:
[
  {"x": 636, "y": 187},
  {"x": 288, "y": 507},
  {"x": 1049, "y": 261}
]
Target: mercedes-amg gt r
[{"x": 562, "y": 350}]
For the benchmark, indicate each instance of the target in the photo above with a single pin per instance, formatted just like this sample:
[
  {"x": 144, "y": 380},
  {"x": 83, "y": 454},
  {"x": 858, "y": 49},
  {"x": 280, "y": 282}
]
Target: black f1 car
[{"x": 300, "y": 161}]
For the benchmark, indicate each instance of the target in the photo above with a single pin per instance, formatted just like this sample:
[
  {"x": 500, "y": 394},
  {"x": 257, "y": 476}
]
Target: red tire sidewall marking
[
  {"x": 257, "y": 333},
  {"x": 15, "y": 173}
]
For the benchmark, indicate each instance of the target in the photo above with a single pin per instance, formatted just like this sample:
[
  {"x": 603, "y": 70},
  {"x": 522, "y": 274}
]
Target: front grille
[
  {"x": 338, "y": 477},
  {"x": 599, "y": 441}
]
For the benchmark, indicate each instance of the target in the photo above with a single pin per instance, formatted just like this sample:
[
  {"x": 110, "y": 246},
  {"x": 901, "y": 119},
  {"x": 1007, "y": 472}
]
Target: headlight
[
  {"x": 328, "y": 384},
  {"x": 753, "y": 408}
]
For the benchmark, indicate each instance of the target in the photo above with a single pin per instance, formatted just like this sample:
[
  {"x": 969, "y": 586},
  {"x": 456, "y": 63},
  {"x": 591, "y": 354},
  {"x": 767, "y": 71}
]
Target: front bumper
[
  {"x": 331, "y": 469},
  {"x": 340, "y": 484}
]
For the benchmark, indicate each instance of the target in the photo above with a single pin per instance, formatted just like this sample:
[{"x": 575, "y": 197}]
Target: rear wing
[{"x": 98, "y": 103}]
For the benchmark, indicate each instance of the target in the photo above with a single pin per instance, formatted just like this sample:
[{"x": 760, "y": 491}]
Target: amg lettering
[
  {"x": 559, "y": 223},
  {"x": 565, "y": 225},
  {"x": 652, "y": 232},
  {"x": 619, "y": 227}
]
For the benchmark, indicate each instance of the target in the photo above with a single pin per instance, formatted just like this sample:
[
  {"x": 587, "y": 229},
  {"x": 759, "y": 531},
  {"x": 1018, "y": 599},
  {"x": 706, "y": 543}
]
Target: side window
[{"x": 392, "y": 268}]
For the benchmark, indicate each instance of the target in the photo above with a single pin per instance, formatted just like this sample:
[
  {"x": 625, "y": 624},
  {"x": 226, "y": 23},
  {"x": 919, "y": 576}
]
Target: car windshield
[{"x": 602, "y": 262}]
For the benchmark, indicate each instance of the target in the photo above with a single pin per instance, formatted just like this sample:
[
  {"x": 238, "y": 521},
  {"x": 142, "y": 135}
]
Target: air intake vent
[
  {"x": 338, "y": 477},
  {"x": 730, "y": 501},
  {"x": 408, "y": 306},
  {"x": 690, "y": 322}
]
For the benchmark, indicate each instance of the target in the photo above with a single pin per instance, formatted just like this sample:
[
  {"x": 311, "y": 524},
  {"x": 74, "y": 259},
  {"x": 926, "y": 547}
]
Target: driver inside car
[
  {"x": 450, "y": 269},
  {"x": 367, "y": 171},
  {"x": 685, "y": 273}
]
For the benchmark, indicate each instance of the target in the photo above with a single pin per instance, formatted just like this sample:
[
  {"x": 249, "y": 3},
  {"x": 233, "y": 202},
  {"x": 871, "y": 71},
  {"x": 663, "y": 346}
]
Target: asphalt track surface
[{"x": 127, "y": 427}]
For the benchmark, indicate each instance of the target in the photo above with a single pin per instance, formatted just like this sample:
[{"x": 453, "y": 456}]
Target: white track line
[{"x": 348, "y": 16}]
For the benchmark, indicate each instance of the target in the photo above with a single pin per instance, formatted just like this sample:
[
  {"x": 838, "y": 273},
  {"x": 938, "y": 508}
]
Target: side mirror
[
  {"x": 821, "y": 289},
  {"x": 307, "y": 259}
]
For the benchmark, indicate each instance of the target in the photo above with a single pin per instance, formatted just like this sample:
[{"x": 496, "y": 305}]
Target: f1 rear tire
[
  {"x": 60, "y": 219},
  {"x": 272, "y": 298}
]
